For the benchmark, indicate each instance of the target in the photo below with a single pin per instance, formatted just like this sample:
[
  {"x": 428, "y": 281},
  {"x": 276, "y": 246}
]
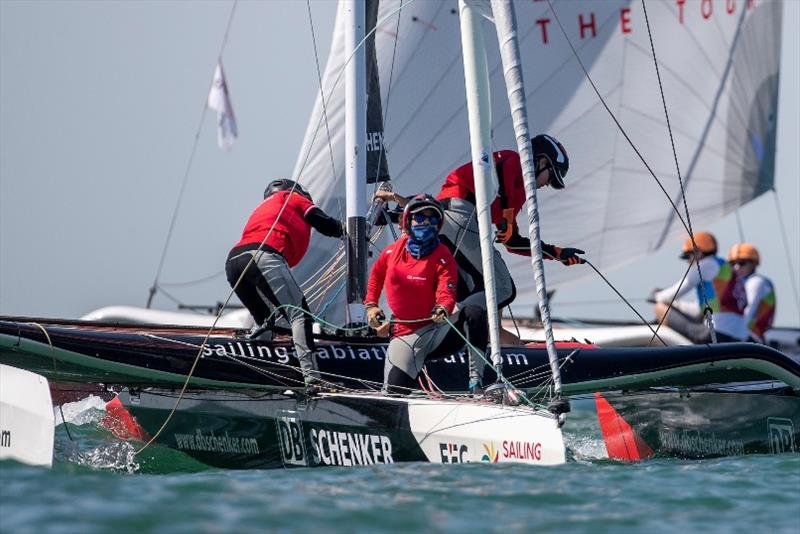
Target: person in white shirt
[
  {"x": 717, "y": 287},
  {"x": 760, "y": 310}
]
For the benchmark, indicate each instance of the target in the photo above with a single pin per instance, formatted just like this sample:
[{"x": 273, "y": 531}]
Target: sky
[{"x": 100, "y": 103}]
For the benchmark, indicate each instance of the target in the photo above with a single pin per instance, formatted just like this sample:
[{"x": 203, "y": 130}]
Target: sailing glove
[
  {"x": 375, "y": 316},
  {"x": 569, "y": 256},
  {"x": 506, "y": 228},
  {"x": 439, "y": 314}
]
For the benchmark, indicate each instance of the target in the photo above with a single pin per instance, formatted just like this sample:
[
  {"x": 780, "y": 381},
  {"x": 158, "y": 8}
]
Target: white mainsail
[{"x": 719, "y": 68}]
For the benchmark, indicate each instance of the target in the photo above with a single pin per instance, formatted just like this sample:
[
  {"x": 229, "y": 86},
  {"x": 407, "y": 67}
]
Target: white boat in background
[
  {"x": 239, "y": 318},
  {"x": 605, "y": 335},
  {"x": 27, "y": 424}
]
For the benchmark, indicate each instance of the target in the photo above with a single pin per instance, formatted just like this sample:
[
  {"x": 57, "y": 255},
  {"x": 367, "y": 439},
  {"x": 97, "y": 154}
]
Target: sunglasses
[
  {"x": 741, "y": 262},
  {"x": 420, "y": 218},
  {"x": 553, "y": 179}
]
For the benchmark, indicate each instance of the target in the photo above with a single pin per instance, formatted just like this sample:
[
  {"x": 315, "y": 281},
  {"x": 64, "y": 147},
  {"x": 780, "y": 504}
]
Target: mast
[
  {"x": 506, "y": 24},
  {"x": 476, "y": 79},
  {"x": 355, "y": 156}
]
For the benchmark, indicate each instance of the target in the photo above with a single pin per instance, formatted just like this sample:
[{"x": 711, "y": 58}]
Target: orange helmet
[
  {"x": 706, "y": 243},
  {"x": 743, "y": 251}
]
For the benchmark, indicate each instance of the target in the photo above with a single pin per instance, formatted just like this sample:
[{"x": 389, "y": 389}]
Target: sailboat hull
[
  {"x": 699, "y": 424},
  {"x": 242, "y": 430}
]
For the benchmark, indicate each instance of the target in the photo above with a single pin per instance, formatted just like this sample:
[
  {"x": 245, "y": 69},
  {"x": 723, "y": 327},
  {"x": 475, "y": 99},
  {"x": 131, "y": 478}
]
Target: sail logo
[
  {"x": 781, "y": 435},
  {"x": 344, "y": 448},
  {"x": 285, "y": 354},
  {"x": 453, "y": 453},
  {"x": 290, "y": 437},
  {"x": 374, "y": 141},
  {"x": 522, "y": 450},
  {"x": 492, "y": 455}
]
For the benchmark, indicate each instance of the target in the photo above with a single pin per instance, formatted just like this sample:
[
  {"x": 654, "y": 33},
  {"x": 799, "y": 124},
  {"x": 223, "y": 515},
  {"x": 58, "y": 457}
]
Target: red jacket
[
  {"x": 292, "y": 232},
  {"x": 461, "y": 184},
  {"x": 413, "y": 286}
]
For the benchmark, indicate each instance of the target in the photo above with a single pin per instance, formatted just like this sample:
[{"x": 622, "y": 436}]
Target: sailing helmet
[
  {"x": 706, "y": 244},
  {"x": 284, "y": 184},
  {"x": 421, "y": 203},
  {"x": 744, "y": 251},
  {"x": 547, "y": 146}
]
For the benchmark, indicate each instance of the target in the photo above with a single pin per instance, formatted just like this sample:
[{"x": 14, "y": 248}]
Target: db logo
[
  {"x": 290, "y": 436},
  {"x": 781, "y": 435},
  {"x": 453, "y": 453}
]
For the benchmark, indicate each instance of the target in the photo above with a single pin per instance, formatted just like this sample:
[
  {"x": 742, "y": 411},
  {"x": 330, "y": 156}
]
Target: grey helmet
[{"x": 284, "y": 184}]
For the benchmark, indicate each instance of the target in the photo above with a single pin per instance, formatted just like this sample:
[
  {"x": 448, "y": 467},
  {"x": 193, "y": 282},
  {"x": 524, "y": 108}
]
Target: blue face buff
[{"x": 422, "y": 239}]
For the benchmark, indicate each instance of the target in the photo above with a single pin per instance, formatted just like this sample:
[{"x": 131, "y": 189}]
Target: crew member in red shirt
[
  {"x": 420, "y": 275},
  {"x": 460, "y": 229},
  {"x": 275, "y": 239}
]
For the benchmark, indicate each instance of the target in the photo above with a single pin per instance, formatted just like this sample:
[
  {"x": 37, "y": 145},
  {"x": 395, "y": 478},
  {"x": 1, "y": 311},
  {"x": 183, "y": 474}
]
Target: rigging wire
[
  {"x": 613, "y": 117},
  {"x": 388, "y": 90},
  {"x": 253, "y": 259},
  {"x": 154, "y": 287},
  {"x": 792, "y": 272},
  {"x": 739, "y": 226},
  {"x": 339, "y": 78},
  {"x": 669, "y": 306},
  {"x": 707, "y": 312},
  {"x": 322, "y": 96},
  {"x": 644, "y": 321}
]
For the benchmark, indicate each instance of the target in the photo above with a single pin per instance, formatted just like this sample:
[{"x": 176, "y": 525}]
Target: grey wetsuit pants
[
  {"x": 269, "y": 283},
  {"x": 460, "y": 234},
  {"x": 407, "y": 353}
]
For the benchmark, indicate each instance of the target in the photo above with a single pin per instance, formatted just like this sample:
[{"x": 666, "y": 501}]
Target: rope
[
  {"x": 154, "y": 287},
  {"x": 707, "y": 312},
  {"x": 55, "y": 376},
  {"x": 253, "y": 259},
  {"x": 480, "y": 354},
  {"x": 669, "y": 307},
  {"x": 319, "y": 80},
  {"x": 644, "y": 321},
  {"x": 339, "y": 77}
]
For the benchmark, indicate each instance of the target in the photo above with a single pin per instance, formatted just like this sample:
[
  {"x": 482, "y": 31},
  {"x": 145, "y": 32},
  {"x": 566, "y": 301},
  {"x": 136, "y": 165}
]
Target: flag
[{"x": 220, "y": 100}]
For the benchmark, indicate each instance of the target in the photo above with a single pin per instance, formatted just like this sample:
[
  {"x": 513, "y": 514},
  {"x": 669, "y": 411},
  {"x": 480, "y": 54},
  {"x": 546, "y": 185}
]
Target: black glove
[{"x": 569, "y": 256}]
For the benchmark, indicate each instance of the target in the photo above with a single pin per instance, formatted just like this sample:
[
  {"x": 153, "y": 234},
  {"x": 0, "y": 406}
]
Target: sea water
[{"x": 99, "y": 484}]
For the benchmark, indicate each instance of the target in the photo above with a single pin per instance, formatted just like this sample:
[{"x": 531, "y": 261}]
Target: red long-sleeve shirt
[
  {"x": 413, "y": 286},
  {"x": 461, "y": 184},
  {"x": 291, "y": 233}
]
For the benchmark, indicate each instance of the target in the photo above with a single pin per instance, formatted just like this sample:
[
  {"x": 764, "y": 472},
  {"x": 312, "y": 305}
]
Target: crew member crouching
[
  {"x": 420, "y": 276},
  {"x": 276, "y": 238}
]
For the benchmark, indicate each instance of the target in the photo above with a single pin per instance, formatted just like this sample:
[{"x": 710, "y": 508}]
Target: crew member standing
[
  {"x": 276, "y": 238},
  {"x": 760, "y": 310},
  {"x": 419, "y": 275}
]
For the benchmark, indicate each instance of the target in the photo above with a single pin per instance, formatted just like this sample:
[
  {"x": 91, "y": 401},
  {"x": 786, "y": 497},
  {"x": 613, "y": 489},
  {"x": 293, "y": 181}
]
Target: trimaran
[{"x": 232, "y": 402}]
